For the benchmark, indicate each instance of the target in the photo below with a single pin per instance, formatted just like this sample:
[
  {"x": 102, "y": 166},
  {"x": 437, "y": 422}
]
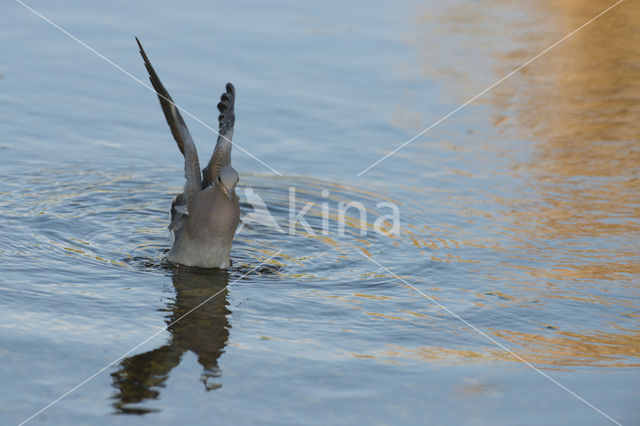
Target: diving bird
[{"x": 205, "y": 216}]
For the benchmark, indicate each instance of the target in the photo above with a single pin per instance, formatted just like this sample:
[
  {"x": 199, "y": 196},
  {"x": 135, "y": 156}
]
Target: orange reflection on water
[
  {"x": 570, "y": 234},
  {"x": 576, "y": 349},
  {"x": 579, "y": 105}
]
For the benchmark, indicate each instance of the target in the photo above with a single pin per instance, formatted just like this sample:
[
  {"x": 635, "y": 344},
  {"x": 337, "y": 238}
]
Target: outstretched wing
[
  {"x": 222, "y": 153},
  {"x": 178, "y": 129}
]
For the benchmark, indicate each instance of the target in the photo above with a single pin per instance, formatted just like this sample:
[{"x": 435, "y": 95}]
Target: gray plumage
[{"x": 205, "y": 216}]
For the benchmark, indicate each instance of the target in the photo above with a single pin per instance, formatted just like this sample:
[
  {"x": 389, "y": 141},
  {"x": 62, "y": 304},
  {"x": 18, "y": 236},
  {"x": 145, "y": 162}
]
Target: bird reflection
[{"x": 204, "y": 332}]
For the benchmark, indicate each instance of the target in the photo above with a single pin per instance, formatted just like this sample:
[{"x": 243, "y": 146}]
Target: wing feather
[
  {"x": 222, "y": 153},
  {"x": 178, "y": 128}
]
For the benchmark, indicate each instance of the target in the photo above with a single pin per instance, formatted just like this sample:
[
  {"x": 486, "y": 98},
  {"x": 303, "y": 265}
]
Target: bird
[{"x": 205, "y": 216}]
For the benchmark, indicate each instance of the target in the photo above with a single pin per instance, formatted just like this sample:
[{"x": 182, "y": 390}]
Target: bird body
[
  {"x": 205, "y": 238},
  {"x": 204, "y": 218}
]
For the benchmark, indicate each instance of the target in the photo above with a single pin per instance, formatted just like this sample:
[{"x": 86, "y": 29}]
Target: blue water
[{"x": 519, "y": 214}]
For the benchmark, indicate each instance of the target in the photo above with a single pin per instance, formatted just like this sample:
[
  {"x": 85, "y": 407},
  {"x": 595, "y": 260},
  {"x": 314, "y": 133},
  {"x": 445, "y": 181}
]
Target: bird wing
[
  {"x": 222, "y": 153},
  {"x": 178, "y": 129},
  {"x": 179, "y": 214}
]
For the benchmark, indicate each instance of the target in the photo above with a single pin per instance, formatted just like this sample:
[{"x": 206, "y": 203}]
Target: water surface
[{"x": 520, "y": 214}]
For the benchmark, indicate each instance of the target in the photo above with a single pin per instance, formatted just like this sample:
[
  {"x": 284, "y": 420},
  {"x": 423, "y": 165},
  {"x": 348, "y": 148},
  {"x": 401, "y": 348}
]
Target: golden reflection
[
  {"x": 571, "y": 232},
  {"x": 140, "y": 378},
  {"x": 561, "y": 350},
  {"x": 580, "y": 106},
  {"x": 576, "y": 349},
  {"x": 374, "y": 314}
]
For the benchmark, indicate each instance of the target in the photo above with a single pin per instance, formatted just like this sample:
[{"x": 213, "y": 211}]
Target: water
[{"x": 520, "y": 214}]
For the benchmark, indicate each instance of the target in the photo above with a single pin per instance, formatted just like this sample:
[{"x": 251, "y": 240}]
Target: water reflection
[
  {"x": 555, "y": 199},
  {"x": 204, "y": 331},
  {"x": 577, "y": 217},
  {"x": 580, "y": 106}
]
